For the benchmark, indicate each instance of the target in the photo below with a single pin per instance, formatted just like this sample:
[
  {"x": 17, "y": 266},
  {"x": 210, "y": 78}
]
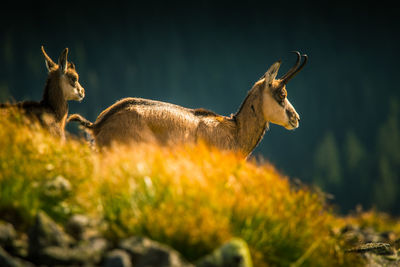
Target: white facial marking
[
  {"x": 71, "y": 92},
  {"x": 293, "y": 118},
  {"x": 282, "y": 114}
]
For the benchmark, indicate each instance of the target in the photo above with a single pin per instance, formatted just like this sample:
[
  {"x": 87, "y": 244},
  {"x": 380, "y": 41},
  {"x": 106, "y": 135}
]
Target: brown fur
[
  {"x": 136, "y": 120},
  {"x": 51, "y": 112}
]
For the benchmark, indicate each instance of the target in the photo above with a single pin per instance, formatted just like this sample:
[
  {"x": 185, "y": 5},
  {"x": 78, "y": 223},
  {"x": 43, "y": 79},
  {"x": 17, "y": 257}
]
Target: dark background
[{"x": 209, "y": 54}]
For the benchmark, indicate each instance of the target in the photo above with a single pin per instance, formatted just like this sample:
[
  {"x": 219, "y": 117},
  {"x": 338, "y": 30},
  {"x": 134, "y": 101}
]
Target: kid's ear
[{"x": 62, "y": 60}]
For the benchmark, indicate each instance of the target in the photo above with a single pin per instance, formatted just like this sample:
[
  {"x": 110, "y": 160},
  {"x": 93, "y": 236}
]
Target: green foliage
[
  {"x": 4, "y": 94},
  {"x": 359, "y": 173},
  {"x": 354, "y": 153},
  {"x": 327, "y": 167},
  {"x": 386, "y": 189}
]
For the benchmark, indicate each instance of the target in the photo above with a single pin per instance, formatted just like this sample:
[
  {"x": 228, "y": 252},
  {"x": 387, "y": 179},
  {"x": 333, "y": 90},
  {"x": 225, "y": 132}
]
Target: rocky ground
[
  {"x": 78, "y": 244},
  {"x": 48, "y": 244},
  {"x": 377, "y": 249}
]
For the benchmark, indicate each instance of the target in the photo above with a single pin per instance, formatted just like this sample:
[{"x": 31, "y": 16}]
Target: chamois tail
[{"x": 78, "y": 118}]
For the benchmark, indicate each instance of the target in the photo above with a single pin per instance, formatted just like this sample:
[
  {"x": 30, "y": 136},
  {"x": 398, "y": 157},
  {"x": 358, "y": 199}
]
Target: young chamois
[
  {"x": 136, "y": 120},
  {"x": 61, "y": 85}
]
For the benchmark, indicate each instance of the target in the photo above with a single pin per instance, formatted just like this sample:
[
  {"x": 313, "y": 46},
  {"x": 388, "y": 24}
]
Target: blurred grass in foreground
[{"x": 192, "y": 198}]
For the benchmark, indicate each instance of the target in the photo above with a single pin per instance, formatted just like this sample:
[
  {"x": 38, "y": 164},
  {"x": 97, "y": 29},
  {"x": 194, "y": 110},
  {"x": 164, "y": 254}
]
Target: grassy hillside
[{"x": 191, "y": 198}]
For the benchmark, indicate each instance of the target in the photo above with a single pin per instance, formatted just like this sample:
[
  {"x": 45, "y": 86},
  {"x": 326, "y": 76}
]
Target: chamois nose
[
  {"x": 81, "y": 92},
  {"x": 293, "y": 118}
]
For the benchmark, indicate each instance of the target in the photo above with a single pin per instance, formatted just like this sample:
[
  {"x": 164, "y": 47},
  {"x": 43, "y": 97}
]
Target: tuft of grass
[
  {"x": 29, "y": 160},
  {"x": 193, "y": 198}
]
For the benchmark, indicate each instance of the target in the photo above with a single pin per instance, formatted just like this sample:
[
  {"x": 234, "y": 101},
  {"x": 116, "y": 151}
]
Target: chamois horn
[
  {"x": 49, "y": 62},
  {"x": 296, "y": 68}
]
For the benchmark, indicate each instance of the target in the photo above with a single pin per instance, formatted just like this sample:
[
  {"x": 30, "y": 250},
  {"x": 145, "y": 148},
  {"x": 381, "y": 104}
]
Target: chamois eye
[
  {"x": 73, "y": 79},
  {"x": 283, "y": 94}
]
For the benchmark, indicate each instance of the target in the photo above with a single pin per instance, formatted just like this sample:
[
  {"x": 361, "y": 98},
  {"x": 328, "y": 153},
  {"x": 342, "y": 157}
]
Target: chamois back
[{"x": 136, "y": 120}]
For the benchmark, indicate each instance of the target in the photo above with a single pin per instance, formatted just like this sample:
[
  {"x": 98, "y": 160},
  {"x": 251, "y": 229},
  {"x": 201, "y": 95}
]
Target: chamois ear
[
  {"x": 49, "y": 63},
  {"x": 270, "y": 75},
  {"x": 62, "y": 60}
]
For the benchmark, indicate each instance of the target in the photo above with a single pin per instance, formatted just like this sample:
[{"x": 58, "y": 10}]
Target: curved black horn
[
  {"x": 296, "y": 68},
  {"x": 296, "y": 65}
]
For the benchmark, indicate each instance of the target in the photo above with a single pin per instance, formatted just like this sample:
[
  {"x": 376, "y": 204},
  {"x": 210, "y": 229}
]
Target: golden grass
[
  {"x": 193, "y": 198},
  {"x": 30, "y": 158}
]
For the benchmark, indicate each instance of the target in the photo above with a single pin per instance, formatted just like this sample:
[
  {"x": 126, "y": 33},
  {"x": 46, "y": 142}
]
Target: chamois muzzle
[
  {"x": 295, "y": 69},
  {"x": 81, "y": 92}
]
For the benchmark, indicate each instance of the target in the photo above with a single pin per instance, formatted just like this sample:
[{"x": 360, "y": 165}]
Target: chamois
[
  {"x": 136, "y": 120},
  {"x": 61, "y": 85}
]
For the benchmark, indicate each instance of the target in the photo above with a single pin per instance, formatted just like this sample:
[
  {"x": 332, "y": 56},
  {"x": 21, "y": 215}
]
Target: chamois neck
[
  {"x": 251, "y": 124},
  {"x": 53, "y": 97}
]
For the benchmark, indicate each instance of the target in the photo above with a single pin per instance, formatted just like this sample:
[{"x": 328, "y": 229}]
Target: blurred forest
[{"x": 209, "y": 53}]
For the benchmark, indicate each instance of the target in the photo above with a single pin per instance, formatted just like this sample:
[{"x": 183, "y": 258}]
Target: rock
[
  {"x": 373, "y": 260},
  {"x": 11, "y": 242},
  {"x": 376, "y": 248},
  {"x": 76, "y": 226},
  {"x": 6, "y": 260},
  {"x": 19, "y": 248},
  {"x": 50, "y": 245},
  {"x": 98, "y": 246},
  {"x": 117, "y": 258},
  {"x": 59, "y": 187},
  {"x": 90, "y": 253},
  {"x": 235, "y": 253},
  {"x": 146, "y": 252},
  {"x": 352, "y": 234},
  {"x": 44, "y": 233},
  {"x": 371, "y": 236},
  {"x": 63, "y": 256},
  {"x": 7, "y": 235}
]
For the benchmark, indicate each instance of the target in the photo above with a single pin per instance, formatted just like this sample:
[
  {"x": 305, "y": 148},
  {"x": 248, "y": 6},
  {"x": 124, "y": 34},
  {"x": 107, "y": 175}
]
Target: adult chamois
[
  {"x": 136, "y": 120},
  {"x": 61, "y": 85}
]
